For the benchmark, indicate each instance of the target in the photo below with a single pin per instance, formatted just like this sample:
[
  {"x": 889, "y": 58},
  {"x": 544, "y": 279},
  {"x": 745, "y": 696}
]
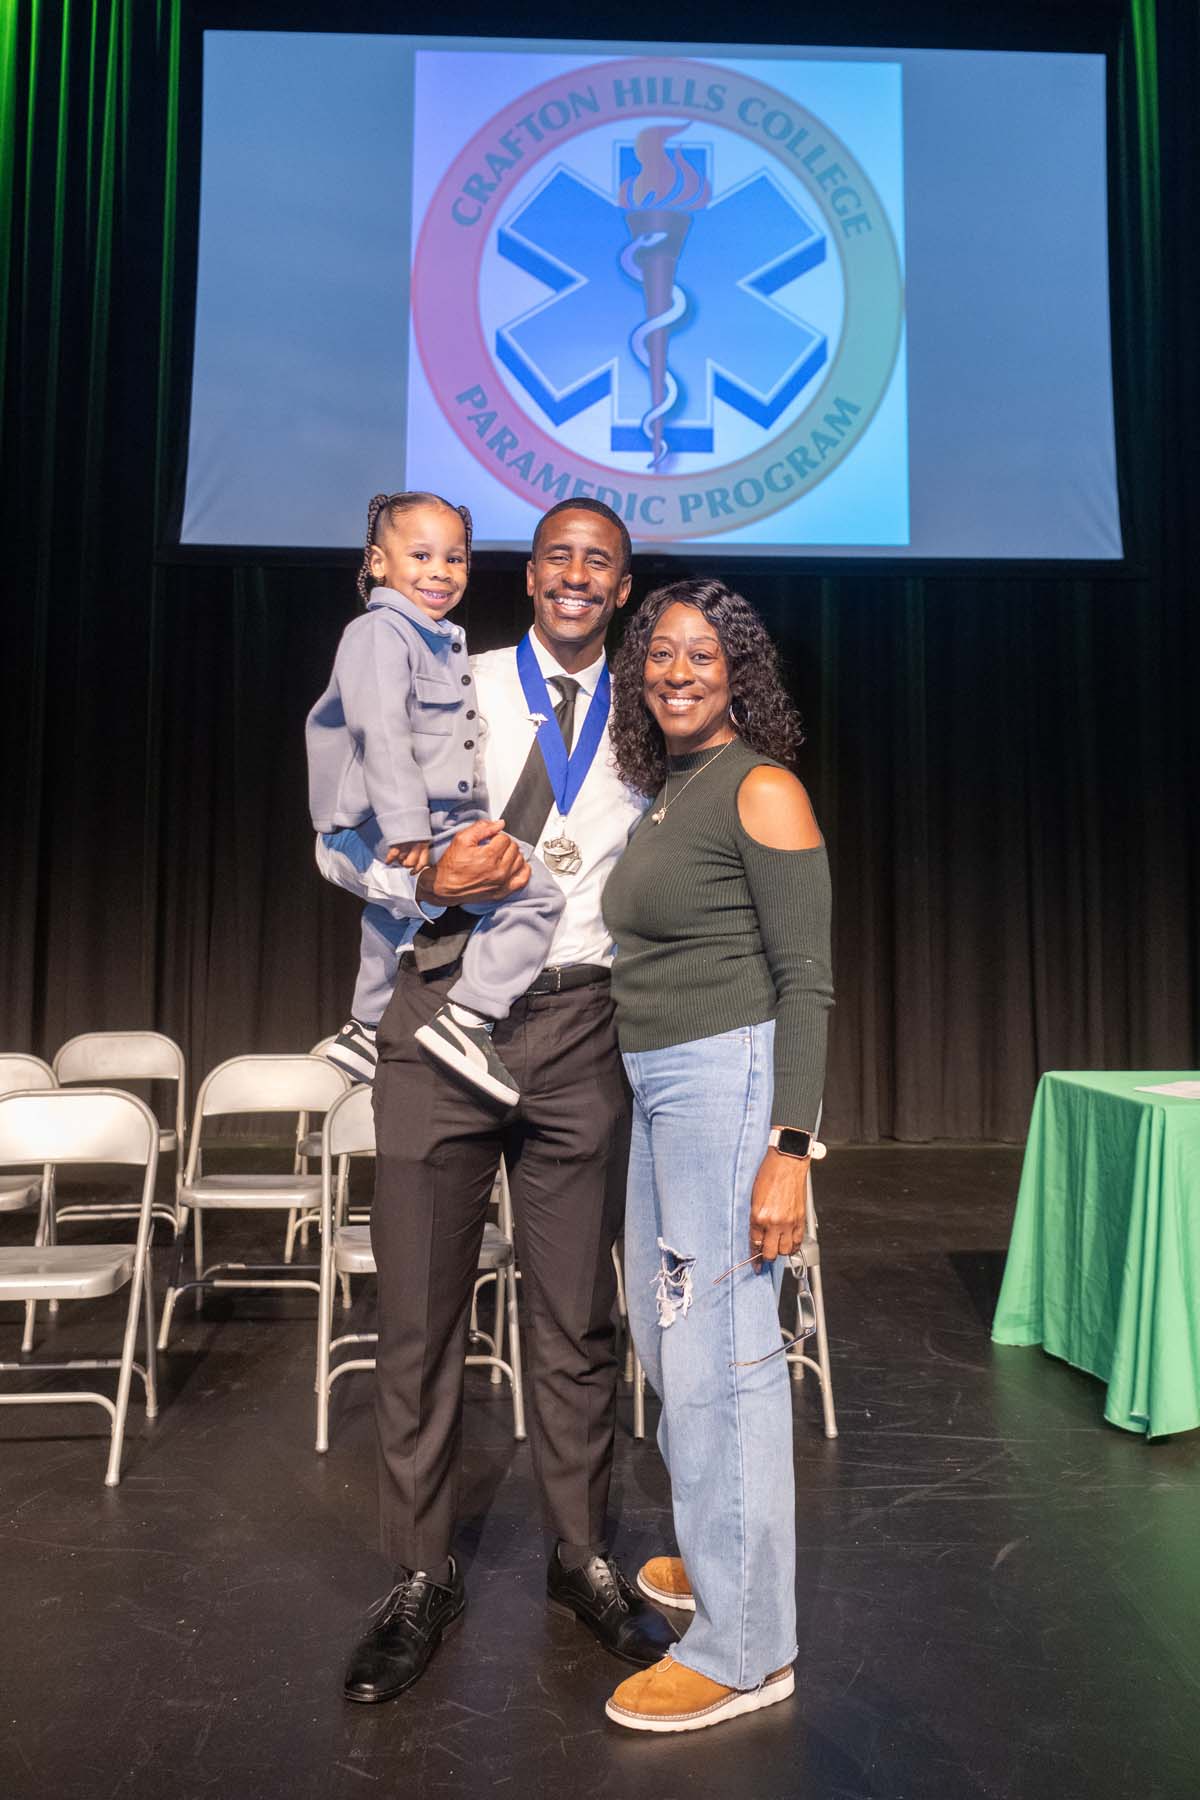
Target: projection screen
[{"x": 802, "y": 301}]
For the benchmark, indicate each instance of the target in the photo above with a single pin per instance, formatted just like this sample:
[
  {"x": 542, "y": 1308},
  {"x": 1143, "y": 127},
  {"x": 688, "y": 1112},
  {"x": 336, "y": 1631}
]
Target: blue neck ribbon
[{"x": 567, "y": 774}]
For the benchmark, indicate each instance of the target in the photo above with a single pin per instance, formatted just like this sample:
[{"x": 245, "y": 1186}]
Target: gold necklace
[{"x": 657, "y": 817}]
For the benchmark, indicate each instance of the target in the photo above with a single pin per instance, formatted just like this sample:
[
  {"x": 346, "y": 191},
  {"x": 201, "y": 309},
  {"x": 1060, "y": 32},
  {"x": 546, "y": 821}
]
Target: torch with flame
[{"x": 658, "y": 204}]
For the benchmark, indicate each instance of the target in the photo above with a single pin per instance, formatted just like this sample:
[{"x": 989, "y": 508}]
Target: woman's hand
[{"x": 778, "y": 1205}]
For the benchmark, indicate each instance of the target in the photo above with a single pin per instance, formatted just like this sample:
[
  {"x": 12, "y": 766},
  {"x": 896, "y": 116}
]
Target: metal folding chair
[
  {"x": 796, "y": 1355},
  {"x": 308, "y": 1150},
  {"x": 349, "y": 1130},
  {"x": 85, "y": 1126},
  {"x": 632, "y": 1372},
  {"x": 20, "y": 1193},
  {"x": 247, "y": 1084},
  {"x": 109, "y": 1058}
]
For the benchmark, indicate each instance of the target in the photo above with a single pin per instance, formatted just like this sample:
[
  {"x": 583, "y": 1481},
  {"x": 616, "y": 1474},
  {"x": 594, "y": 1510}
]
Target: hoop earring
[{"x": 733, "y": 718}]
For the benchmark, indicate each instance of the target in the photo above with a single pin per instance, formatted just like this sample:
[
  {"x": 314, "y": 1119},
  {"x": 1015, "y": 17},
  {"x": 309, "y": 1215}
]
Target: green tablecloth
[{"x": 1104, "y": 1260}]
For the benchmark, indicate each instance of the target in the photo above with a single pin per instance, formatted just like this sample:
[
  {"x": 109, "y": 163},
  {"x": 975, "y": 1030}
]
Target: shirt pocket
[{"x": 436, "y": 705}]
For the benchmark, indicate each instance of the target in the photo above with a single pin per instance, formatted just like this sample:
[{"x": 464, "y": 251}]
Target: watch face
[{"x": 794, "y": 1143}]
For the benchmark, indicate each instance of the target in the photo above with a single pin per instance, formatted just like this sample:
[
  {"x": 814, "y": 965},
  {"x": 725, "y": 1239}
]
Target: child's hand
[{"x": 413, "y": 857}]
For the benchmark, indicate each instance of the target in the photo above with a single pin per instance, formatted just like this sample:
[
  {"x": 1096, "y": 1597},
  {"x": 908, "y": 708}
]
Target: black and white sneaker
[
  {"x": 353, "y": 1050},
  {"x": 467, "y": 1049}
]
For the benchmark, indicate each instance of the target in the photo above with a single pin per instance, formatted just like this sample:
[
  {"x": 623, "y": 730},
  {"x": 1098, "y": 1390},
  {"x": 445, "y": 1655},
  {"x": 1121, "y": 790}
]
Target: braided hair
[{"x": 393, "y": 505}]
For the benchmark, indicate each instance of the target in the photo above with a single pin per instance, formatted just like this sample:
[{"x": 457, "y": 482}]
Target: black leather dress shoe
[
  {"x": 599, "y": 1596},
  {"x": 410, "y": 1624}
]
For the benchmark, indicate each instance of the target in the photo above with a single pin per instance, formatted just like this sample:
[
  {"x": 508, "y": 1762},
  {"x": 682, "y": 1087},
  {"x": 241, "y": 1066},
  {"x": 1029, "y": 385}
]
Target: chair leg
[
  {"x": 151, "y": 1356},
  {"x": 623, "y": 1316},
  {"x": 39, "y": 1238},
  {"x": 831, "y": 1429},
  {"x": 113, "y": 1474},
  {"x": 173, "y": 1284},
  {"x": 797, "y": 1367},
  {"x": 639, "y": 1397},
  {"x": 501, "y": 1297},
  {"x": 324, "y": 1333},
  {"x": 198, "y": 1248},
  {"x": 52, "y": 1233},
  {"x": 514, "y": 1355},
  {"x": 289, "y": 1242}
]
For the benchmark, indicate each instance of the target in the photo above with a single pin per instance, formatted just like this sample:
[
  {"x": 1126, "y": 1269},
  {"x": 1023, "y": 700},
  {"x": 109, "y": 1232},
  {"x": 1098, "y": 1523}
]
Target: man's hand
[
  {"x": 414, "y": 856},
  {"x": 777, "y": 1206},
  {"x": 479, "y": 863}
]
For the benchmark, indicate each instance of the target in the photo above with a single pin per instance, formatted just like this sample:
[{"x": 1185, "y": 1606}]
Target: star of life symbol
[
  {"x": 662, "y": 296},
  {"x": 694, "y": 313}
]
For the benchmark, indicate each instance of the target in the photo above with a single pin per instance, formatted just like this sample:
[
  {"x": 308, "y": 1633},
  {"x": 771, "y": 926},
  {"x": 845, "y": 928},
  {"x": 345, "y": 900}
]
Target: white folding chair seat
[
  {"x": 245, "y": 1192},
  {"x": 19, "y": 1192},
  {"x": 247, "y": 1084},
  {"x": 352, "y": 1252},
  {"x": 84, "y": 1126},
  {"x": 64, "y": 1271},
  {"x": 108, "y": 1058},
  {"x": 496, "y": 1251},
  {"x": 349, "y": 1130},
  {"x": 20, "y": 1073}
]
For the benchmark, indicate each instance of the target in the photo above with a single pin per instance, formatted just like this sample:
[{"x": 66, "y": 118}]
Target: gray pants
[{"x": 505, "y": 953}]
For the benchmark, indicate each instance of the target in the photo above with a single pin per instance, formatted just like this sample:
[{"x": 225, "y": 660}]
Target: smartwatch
[{"x": 790, "y": 1142}]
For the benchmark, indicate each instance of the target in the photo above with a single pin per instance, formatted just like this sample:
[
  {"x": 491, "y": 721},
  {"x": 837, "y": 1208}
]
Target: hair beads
[{"x": 393, "y": 505}]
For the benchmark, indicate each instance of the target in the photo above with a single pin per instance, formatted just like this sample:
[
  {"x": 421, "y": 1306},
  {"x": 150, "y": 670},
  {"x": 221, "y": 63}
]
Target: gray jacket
[{"x": 394, "y": 733}]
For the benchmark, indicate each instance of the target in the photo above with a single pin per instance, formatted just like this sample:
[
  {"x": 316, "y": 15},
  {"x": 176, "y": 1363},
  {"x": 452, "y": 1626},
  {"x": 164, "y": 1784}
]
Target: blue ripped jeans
[{"x": 702, "y": 1112}]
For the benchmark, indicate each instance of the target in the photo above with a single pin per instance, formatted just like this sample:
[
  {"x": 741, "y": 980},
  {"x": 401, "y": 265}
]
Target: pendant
[
  {"x": 656, "y": 818},
  {"x": 562, "y": 855}
]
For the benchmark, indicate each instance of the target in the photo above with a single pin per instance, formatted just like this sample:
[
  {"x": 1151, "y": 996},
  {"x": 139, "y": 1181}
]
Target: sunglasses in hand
[{"x": 807, "y": 1309}]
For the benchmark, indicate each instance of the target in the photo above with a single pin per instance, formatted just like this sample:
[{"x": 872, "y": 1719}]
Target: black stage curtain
[{"x": 1004, "y": 762}]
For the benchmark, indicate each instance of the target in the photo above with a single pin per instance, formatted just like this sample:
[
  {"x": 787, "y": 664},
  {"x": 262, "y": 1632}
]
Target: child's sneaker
[
  {"x": 353, "y": 1051},
  {"x": 466, "y": 1047}
]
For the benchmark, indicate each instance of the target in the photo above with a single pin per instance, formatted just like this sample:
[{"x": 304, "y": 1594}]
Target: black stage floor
[{"x": 999, "y": 1595}]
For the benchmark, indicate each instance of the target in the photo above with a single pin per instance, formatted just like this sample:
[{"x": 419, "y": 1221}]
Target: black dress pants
[{"x": 438, "y": 1150}]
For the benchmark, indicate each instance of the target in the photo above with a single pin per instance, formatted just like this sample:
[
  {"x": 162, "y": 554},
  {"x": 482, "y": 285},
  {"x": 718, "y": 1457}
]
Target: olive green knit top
[{"x": 715, "y": 930}]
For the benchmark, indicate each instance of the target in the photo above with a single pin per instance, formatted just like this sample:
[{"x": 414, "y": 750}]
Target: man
[{"x": 439, "y": 1144}]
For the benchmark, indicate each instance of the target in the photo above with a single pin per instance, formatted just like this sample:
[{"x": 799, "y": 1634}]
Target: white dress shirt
[{"x": 605, "y": 810}]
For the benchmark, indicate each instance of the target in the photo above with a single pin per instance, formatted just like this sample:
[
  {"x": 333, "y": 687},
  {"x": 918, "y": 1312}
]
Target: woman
[{"x": 720, "y": 912}]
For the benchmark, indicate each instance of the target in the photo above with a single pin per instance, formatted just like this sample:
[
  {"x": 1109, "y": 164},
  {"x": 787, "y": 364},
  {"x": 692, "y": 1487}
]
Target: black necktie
[
  {"x": 439, "y": 944},
  {"x": 529, "y": 803}
]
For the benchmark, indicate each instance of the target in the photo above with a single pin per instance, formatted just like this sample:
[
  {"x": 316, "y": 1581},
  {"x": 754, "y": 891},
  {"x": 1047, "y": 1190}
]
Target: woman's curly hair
[{"x": 763, "y": 714}]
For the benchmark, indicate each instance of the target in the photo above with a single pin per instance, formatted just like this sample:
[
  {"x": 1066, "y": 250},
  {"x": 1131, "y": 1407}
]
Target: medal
[
  {"x": 561, "y": 854},
  {"x": 566, "y": 772}
]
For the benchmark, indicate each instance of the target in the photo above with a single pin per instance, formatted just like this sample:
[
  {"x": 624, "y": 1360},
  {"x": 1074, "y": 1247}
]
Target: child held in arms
[{"x": 393, "y": 776}]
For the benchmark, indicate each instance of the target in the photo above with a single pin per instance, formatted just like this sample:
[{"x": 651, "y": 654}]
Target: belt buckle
[{"x": 555, "y": 970}]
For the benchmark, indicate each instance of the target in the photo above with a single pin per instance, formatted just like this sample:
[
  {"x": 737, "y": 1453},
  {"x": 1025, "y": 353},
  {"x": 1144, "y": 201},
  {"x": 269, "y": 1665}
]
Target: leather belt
[
  {"x": 552, "y": 980},
  {"x": 560, "y": 981}
]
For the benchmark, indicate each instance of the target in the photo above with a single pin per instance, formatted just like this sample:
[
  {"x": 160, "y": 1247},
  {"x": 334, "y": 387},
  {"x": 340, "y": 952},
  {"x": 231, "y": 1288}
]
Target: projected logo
[{"x": 663, "y": 284}]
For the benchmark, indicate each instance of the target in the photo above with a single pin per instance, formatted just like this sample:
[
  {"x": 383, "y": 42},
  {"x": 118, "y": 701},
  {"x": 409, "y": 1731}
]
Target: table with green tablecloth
[{"x": 1104, "y": 1260}]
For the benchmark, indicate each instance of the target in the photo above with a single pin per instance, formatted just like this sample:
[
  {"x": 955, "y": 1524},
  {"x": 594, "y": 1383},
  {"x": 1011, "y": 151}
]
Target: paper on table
[{"x": 1182, "y": 1090}]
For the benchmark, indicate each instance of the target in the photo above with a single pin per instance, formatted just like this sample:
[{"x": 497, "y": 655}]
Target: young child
[{"x": 392, "y": 778}]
